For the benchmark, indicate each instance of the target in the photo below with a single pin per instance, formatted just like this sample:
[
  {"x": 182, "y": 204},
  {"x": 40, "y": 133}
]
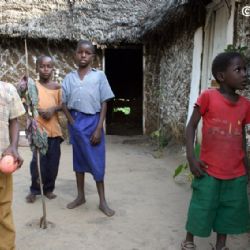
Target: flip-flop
[{"x": 188, "y": 245}]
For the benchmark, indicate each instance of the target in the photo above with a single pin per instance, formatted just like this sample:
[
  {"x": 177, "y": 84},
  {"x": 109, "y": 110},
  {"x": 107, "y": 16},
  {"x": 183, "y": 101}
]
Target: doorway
[{"x": 124, "y": 70}]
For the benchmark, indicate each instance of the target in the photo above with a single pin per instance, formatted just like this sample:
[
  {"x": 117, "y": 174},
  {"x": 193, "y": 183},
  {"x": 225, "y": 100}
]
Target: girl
[
  {"x": 49, "y": 95},
  {"x": 85, "y": 95},
  {"x": 219, "y": 200}
]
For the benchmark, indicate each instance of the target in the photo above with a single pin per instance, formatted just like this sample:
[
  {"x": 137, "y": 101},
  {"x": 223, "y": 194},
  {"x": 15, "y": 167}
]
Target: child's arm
[
  {"x": 246, "y": 161},
  {"x": 194, "y": 164},
  {"x": 14, "y": 136},
  {"x": 96, "y": 136},
  {"x": 67, "y": 114},
  {"x": 48, "y": 113}
]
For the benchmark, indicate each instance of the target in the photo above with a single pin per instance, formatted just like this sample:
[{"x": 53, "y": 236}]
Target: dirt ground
[{"x": 150, "y": 207}]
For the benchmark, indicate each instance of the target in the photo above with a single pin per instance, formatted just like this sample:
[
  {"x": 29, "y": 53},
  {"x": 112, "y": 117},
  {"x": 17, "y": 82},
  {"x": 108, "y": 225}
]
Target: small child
[
  {"x": 11, "y": 108},
  {"x": 49, "y": 95},
  {"x": 85, "y": 95},
  {"x": 219, "y": 201}
]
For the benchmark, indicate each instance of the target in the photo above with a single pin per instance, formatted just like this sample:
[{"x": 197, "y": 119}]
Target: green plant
[
  {"x": 160, "y": 138},
  {"x": 125, "y": 110},
  {"x": 233, "y": 48},
  {"x": 184, "y": 167}
]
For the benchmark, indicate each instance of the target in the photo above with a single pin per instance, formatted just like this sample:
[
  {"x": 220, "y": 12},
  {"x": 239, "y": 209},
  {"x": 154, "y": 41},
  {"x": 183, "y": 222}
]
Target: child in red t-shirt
[{"x": 219, "y": 201}]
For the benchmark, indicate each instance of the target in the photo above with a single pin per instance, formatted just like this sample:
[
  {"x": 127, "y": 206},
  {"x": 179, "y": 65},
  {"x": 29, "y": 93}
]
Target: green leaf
[
  {"x": 197, "y": 150},
  {"x": 180, "y": 169},
  {"x": 155, "y": 134}
]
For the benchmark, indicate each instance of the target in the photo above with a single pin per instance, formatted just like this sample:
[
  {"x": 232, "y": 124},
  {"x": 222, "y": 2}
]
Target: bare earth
[{"x": 150, "y": 207}]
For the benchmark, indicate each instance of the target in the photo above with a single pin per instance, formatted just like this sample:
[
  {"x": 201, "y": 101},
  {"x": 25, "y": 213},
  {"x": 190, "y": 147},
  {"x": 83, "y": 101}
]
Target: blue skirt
[{"x": 87, "y": 157}]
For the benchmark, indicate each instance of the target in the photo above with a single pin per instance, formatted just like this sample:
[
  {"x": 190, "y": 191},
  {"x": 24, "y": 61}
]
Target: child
[
  {"x": 11, "y": 107},
  {"x": 49, "y": 95},
  {"x": 85, "y": 94},
  {"x": 219, "y": 201}
]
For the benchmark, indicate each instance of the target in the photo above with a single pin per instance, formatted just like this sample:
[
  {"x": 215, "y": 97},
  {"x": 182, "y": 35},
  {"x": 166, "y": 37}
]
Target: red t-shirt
[{"x": 222, "y": 139}]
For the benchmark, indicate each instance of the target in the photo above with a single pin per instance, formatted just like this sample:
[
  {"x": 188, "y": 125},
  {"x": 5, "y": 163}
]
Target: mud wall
[
  {"x": 13, "y": 61},
  {"x": 167, "y": 85},
  {"x": 242, "y": 35}
]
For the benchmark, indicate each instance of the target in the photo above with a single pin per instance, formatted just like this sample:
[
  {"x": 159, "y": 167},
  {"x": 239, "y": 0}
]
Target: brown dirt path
[{"x": 150, "y": 207}]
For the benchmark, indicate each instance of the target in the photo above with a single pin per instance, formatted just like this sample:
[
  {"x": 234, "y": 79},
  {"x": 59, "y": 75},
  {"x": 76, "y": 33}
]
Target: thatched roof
[
  {"x": 103, "y": 21},
  {"x": 109, "y": 21},
  {"x": 172, "y": 12},
  {"x": 170, "y": 9}
]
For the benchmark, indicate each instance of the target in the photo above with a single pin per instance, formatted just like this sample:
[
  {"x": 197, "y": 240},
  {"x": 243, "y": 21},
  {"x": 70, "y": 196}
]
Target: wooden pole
[{"x": 43, "y": 221}]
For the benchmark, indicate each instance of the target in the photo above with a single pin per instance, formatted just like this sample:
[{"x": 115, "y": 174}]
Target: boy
[
  {"x": 49, "y": 103},
  {"x": 219, "y": 201}
]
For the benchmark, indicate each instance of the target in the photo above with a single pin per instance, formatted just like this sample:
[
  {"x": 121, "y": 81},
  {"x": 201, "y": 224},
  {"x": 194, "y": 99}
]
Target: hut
[
  {"x": 53, "y": 27},
  {"x": 183, "y": 39},
  {"x": 155, "y": 52}
]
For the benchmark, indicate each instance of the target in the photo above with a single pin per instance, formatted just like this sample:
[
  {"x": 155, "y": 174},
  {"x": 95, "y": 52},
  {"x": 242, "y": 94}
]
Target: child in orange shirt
[{"x": 49, "y": 95}]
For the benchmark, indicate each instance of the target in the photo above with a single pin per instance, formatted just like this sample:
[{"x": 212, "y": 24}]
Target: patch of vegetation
[
  {"x": 160, "y": 138},
  {"x": 124, "y": 110},
  {"x": 183, "y": 169}
]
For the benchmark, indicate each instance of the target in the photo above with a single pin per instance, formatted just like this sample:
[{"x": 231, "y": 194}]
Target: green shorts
[{"x": 218, "y": 205}]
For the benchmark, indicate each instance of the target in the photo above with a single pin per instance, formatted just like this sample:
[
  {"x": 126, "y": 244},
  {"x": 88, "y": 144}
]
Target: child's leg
[
  {"x": 189, "y": 237},
  {"x": 80, "y": 199},
  {"x": 103, "y": 206},
  {"x": 232, "y": 215},
  {"x": 35, "y": 186},
  {"x": 52, "y": 166},
  {"x": 220, "y": 241},
  {"x": 188, "y": 243}
]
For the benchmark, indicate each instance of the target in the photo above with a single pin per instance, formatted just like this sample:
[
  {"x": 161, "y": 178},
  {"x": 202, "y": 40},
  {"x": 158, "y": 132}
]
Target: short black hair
[
  {"x": 40, "y": 58},
  {"x": 222, "y": 61},
  {"x": 86, "y": 42}
]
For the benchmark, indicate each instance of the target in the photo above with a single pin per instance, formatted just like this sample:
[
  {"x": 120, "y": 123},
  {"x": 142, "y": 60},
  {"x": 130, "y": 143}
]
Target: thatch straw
[
  {"x": 170, "y": 12},
  {"x": 105, "y": 22}
]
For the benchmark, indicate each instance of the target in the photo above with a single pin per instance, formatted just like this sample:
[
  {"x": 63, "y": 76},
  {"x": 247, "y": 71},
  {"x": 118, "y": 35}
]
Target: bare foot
[
  {"x": 77, "y": 202},
  {"x": 30, "y": 198},
  {"x": 50, "y": 195},
  {"x": 106, "y": 210}
]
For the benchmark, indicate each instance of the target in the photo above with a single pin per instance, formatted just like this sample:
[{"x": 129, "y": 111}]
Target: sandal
[{"x": 188, "y": 245}]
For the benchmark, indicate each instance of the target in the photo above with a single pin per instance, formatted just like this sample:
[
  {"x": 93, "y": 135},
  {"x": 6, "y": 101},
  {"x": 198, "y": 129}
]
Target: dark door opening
[{"x": 124, "y": 70}]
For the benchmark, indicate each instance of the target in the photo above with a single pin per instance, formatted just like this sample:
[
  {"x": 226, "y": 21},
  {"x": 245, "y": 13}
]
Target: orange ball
[{"x": 8, "y": 164}]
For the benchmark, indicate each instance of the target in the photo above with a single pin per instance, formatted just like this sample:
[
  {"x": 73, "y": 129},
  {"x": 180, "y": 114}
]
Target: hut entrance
[{"x": 124, "y": 70}]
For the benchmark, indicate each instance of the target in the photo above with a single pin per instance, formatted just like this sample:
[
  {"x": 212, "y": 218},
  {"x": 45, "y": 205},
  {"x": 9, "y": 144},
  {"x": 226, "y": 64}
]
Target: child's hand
[
  {"x": 96, "y": 137},
  {"x": 46, "y": 114},
  {"x": 13, "y": 151},
  {"x": 196, "y": 167},
  {"x": 67, "y": 114}
]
